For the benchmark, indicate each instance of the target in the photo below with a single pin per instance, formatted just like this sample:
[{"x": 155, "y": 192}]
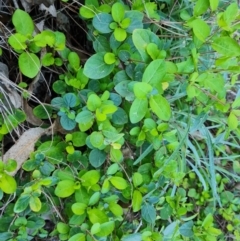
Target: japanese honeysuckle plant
[{"x": 147, "y": 127}]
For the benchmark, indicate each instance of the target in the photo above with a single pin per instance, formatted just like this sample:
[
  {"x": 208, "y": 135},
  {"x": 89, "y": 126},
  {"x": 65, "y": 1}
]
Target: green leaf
[
  {"x": 94, "y": 198},
  {"x": 116, "y": 209},
  {"x": 70, "y": 100},
  {"x": 214, "y": 4},
  {"x": 118, "y": 12},
  {"x": 10, "y": 165},
  {"x": 137, "y": 201},
  {"x": 93, "y": 102},
  {"x": 79, "y": 208},
  {"x": 35, "y": 204},
  {"x": 200, "y": 29},
  {"x": 141, "y": 38},
  {"x": 29, "y": 64},
  {"x": 60, "y": 41},
  {"x": 67, "y": 123},
  {"x": 18, "y": 41},
  {"x": 7, "y": 183},
  {"x": 232, "y": 121},
  {"x": 74, "y": 60},
  {"x": 119, "y": 182},
  {"x": 97, "y": 157},
  {"x": 90, "y": 178},
  {"x": 148, "y": 213},
  {"x": 109, "y": 58},
  {"x": 23, "y": 22},
  {"x": 79, "y": 139},
  {"x": 141, "y": 89},
  {"x": 186, "y": 229},
  {"x": 46, "y": 37},
  {"x": 226, "y": 46},
  {"x": 116, "y": 155},
  {"x": 22, "y": 203},
  {"x": 119, "y": 117},
  {"x": 138, "y": 110},
  {"x": 200, "y": 7},
  {"x": 161, "y": 107},
  {"x": 97, "y": 139},
  {"x": 97, "y": 216},
  {"x": 47, "y": 59},
  {"x": 137, "y": 179},
  {"x": 120, "y": 34},
  {"x": 208, "y": 221},
  {"x": 106, "y": 229},
  {"x": 78, "y": 237},
  {"x": 154, "y": 73},
  {"x": 102, "y": 21},
  {"x": 85, "y": 119},
  {"x": 136, "y": 19},
  {"x": 65, "y": 188},
  {"x": 62, "y": 228},
  {"x": 101, "y": 69}
]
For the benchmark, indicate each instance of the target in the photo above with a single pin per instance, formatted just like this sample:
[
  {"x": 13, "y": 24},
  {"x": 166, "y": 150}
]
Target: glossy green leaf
[
  {"x": 214, "y": 4},
  {"x": 160, "y": 106},
  {"x": 102, "y": 21},
  {"x": 22, "y": 203},
  {"x": 116, "y": 209},
  {"x": 94, "y": 198},
  {"x": 137, "y": 179},
  {"x": 138, "y": 110},
  {"x": 85, "y": 120},
  {"x": 29, "y": 64},
  {"x": 97, "y": 157},
  {"x": 47, "y": 59}
]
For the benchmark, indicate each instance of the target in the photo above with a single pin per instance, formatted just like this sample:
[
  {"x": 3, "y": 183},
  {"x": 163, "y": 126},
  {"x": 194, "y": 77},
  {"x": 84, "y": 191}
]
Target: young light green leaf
[
  {"x": 93, "y": 102},
  {"x": 18, "y": 41},
  {"x": 106, "y": 229},
  {"x": 138, "y": 110},
  {"x": 120, "y": 34},
  {"x": 74, "y": 60},
  {"x": 137, "y": 200},
  {"x": 118, "y": 12},
  {"x": 29, "y": 64},
  {"x": 7, "y": 183},
  {"x": 65, "y": 188},
  {"x": 79, "y": 208},
  {"x": 214, "y": 4},
  {"x": 141, "y": 89},
  {"x": 90, "y": 178},
  {"x": 161, "y": 107},
  {"x": 23, "y": 22},
  {"x": 118, "y": 182},
  {"x": 97, "y": 216},
  {"x": 200, "y": 29},
  {"x": 35, "y": 204},
  {"x": 200, "y": 7}
]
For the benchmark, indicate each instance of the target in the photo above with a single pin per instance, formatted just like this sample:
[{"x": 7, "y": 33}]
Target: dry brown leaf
[{"x": 21, "y": 150}]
